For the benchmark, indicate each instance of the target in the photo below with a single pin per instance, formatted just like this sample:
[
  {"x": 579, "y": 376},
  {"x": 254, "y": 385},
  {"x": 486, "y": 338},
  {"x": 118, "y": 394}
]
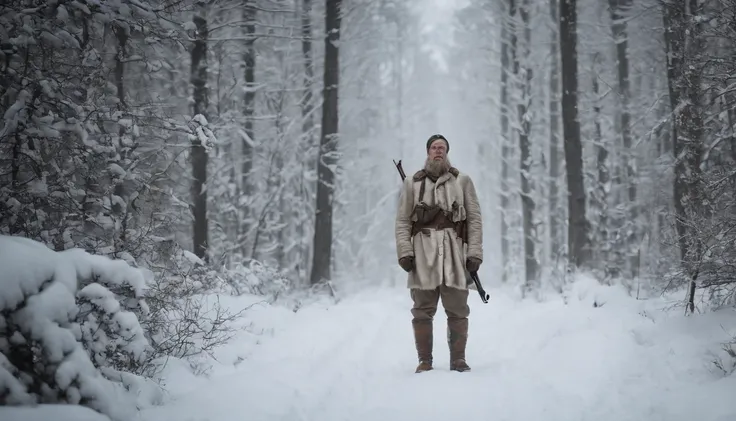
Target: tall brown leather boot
[
  {"x": 457, "y": 339},
  {"x": 423, "y": 342}
]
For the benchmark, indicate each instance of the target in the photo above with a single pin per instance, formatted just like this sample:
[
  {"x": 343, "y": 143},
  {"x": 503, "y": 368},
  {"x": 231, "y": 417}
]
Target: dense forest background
[{"x": 601, "y": 133}]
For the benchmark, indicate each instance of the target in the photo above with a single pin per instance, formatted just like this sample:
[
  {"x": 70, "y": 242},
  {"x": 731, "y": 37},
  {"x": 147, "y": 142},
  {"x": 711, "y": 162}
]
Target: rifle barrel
[{"x": 400, "y": 169}]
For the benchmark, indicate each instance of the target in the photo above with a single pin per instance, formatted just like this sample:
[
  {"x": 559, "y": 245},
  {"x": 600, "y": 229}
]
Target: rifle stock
[{"x": 484, "y": 296}]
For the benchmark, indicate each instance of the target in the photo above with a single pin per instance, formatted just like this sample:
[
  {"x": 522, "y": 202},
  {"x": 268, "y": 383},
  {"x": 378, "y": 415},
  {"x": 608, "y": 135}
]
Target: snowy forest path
[{"x": 530, "y": 361}]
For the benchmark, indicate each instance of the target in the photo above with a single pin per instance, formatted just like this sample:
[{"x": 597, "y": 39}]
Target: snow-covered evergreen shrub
[
  {"x": 111, "y": 305},
  {"x": 43, "y": 359},
  {"x": 87, "y": 161}
]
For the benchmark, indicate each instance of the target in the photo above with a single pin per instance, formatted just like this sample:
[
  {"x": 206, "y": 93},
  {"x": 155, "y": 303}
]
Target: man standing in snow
[{"x": 439, "y": 237}]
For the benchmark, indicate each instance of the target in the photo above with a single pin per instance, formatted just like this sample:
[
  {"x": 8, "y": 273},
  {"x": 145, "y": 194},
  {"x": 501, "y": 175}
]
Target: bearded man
[{"x": 438, "y": 238}]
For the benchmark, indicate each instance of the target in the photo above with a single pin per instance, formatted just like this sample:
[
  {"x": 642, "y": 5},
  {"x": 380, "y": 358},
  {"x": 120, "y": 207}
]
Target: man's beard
[{"x": 436, "y": 168}]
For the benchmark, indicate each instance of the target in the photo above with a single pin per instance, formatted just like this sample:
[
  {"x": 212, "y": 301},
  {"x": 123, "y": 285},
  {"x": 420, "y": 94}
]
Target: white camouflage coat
[{"x": 439, "y": 255}]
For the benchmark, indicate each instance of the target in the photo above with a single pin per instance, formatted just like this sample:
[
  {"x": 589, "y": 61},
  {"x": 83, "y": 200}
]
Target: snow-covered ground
[{"x": 559, "y": 360}]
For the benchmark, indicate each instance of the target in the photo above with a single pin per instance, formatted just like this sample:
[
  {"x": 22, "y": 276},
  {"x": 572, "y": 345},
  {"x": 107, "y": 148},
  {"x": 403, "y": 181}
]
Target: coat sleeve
[
  {"x": 473, "y": 220},
  {"x": 404, "y": 246}
]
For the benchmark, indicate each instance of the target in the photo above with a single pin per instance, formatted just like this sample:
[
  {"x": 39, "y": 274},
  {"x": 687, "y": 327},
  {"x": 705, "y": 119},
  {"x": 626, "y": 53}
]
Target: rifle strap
[{"x": 421, "y": 190}]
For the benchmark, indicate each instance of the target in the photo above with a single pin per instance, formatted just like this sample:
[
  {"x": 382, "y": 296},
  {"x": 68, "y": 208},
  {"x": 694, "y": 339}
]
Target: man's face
[{"x": 437, "y": 150}]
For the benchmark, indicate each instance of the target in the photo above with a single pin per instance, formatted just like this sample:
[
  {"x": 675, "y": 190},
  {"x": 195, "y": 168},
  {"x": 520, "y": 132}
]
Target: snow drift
[
  {"x": 593, "y": 352},
  {"x": 68, "y": 325}
]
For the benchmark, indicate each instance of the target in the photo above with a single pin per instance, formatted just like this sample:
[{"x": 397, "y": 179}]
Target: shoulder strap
[
  {"x": 419, "y": 175},
  {"x": 421, "y": 189}
]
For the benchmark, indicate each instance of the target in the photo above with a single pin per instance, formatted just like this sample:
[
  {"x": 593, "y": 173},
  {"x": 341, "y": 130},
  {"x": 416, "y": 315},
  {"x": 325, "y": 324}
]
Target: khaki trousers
[{"x": 454, "y": 301}]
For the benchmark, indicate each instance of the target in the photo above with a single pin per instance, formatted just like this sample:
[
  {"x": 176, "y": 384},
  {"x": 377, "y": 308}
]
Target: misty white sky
[
  {"x": 439, "y": 11},
  {"x": 437, "y": 24}
]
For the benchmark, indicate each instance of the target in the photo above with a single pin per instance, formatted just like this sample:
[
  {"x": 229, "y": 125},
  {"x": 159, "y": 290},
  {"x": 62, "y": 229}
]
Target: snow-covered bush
[
  {"x": 184, "y": 320},
  {"x": 258, "y": 279},
  {"x": 725, "y": 359},
  {"x": 111, "y": 306},
  {"x": 43, "y": 333}
]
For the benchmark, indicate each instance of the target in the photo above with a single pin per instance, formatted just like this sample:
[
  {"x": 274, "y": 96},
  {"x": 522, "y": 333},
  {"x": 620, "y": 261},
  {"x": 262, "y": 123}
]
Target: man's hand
[
  {"x": 473, "y": 264},
  {"x": 407, "y": 263}
]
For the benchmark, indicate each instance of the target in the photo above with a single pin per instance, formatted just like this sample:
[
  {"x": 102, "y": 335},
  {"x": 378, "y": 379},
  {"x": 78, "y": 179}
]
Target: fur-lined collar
[{"x": 421, "y": 174}]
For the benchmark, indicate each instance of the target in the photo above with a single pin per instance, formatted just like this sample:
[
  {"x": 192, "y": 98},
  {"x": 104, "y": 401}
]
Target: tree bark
[
  {"x": 306, "y": 103},
  {"x": 249, "y": 104},
  {"x": 249, "y": 65},
  {"x": 619, "y": 12},
  {"x": 527, "y": 201},
  {"x": 307, "y": 108},
  {"x": 199, "y": 154},
  {"x": 118, "y": 209},
  {"x": 578, "y": 242},
  {"x": 508, "y": 50},
  {"x": 683, "y": 40},
  {"x": 554, "y": 136},
  {"x": 602, "y": 186},
  {"x": 328, "y": 147},
  {"x": 674, "y": 24}
]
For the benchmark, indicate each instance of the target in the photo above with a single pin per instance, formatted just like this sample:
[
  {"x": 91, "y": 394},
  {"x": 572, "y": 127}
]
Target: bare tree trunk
[
  {"x": 527, "y": 201},
  {"x": 683, "y": 41},
  {"x": 693, "y": 131},
  {"x": 328, "y": 147},
  {"x": 674, "y": 23},
  {"x": 278, "y": 184},
  {"x": 602, "y": 186},
  {"x": 118, "y": 209},
  {"x": 199, "y": 154},
  {"x": 15, "y": 166},
  {"x": 399, "y": 76},
  {"x": 578, "y": 242},
  {"x": 619, "y": 12},
  {"x": 508, "y": 48},
  {"x": 122, "y": 37},
  {"x": 663, "y": 137},
  {"x": 307, "y": 107},
  {"x": 554, "y": 136},
  {"x": 306, "y": 103},
  {"x": 731, "y": 115},
  {"x": 249, "y": 64}
]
